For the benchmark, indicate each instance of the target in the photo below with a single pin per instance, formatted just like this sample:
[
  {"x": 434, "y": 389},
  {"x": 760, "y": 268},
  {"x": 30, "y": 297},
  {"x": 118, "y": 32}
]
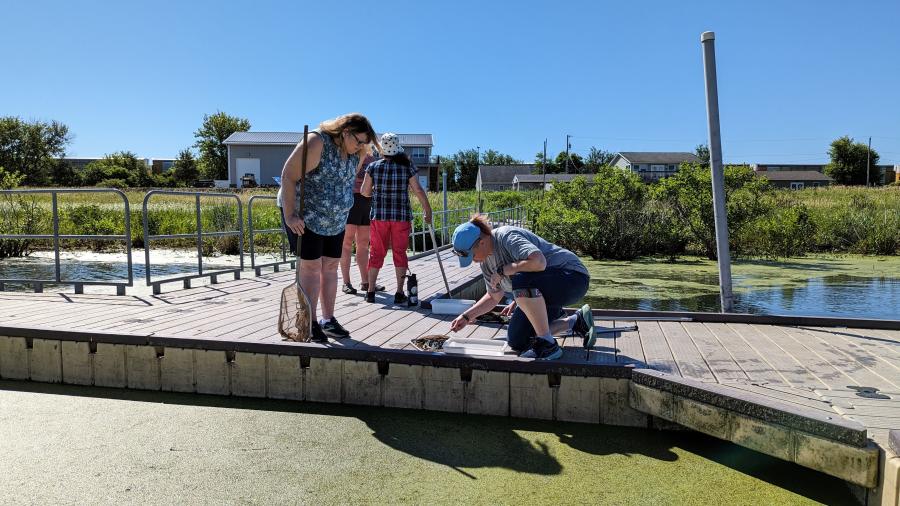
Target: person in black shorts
[
  {"x": 332, "y": 159},
  {"x": 358, "y": 230}
]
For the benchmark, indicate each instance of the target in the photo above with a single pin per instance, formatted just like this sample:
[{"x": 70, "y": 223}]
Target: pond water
[
  {"x": 148, "y": 447},
  {"x": 859, "y": 287},
  {"x": 851, "y": 286},
  {"x": 113, "y": 267}
]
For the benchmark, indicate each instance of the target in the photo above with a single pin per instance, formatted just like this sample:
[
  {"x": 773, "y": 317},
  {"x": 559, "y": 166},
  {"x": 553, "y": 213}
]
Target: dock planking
[{"x": 826, "y": 369}]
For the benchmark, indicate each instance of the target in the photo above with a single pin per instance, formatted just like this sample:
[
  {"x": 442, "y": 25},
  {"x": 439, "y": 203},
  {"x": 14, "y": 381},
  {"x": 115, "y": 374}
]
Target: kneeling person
[{"x": 542, "y": 276}]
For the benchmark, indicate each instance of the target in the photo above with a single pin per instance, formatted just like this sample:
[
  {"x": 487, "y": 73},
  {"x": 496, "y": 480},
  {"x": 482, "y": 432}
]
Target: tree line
[{"x": 32, "y": 153}]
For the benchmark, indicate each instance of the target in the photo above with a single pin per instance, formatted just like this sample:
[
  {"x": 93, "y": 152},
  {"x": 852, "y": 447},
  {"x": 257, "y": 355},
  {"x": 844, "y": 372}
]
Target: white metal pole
[{"x": 708, "y": 41}]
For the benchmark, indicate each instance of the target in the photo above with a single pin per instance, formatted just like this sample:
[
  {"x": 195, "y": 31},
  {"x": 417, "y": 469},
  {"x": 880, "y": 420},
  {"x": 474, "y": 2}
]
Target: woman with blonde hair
[
  {"x": 542, "y": 277},
  {"x": 332, "y": 159}
]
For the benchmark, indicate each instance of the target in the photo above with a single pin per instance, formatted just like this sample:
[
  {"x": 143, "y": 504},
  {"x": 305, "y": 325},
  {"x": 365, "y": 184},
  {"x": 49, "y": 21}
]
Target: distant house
[
  {"x": 881, "y": 174},
  {"x": 796, "y": 179},
  {"x": 500, "y": 177},
  {"x": 787, "y": 167},
  {"x": 160, "y": 165},
  {"x": 652, "y": 165},
  {"x": 523, "y": 182},
  {"x": 263, "y": 154},
  {"x": 79, "y": 163}
]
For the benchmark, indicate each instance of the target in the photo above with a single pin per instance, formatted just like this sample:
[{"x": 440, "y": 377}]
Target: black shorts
[
  {"x": 314, "y": 246},
  {"x": 359, "y": 213}
]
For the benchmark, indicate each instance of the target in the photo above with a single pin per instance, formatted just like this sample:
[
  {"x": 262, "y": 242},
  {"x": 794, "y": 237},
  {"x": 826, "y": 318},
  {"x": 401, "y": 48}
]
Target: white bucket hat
[{"x": 390, "y": 144}]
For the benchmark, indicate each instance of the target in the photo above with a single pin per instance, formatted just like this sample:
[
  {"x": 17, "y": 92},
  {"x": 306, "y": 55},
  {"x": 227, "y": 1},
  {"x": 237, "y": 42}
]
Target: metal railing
[
  {"x": 38, "y": 284},
  {"x": 516, "y": 216},
  {"x": 199, "y": 235},
  {"x": 253, "y": 231},
  {"x": 445, "y": 221}
]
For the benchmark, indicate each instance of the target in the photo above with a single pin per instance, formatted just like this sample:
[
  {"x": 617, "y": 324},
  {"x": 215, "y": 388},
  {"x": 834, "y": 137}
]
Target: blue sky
[{"x": 622, "y": 76}]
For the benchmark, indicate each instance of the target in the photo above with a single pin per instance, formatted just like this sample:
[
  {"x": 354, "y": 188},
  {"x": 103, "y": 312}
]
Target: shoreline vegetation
[{"x": 613, "y": 216}]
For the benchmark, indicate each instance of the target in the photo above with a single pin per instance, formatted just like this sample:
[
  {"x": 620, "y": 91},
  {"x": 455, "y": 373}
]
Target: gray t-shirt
[{"x": 514, "y": 244}]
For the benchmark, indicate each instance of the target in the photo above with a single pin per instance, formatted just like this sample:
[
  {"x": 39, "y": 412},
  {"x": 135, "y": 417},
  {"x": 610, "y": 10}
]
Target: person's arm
[
  {"x": 423, "y": 198},
  {"x": 536, "y": 262},
  {"x": 484, "y": 305},
  {"x": 530, "y": 257},
  {"x": 290, "y": 176},
  {"x": 366, "y": 189}
]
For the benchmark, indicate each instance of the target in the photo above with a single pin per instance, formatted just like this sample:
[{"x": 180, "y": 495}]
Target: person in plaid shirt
[{"x": 388, "y": 182}]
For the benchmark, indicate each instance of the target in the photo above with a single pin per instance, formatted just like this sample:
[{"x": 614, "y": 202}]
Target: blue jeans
[{"x": 560, "y": 287}]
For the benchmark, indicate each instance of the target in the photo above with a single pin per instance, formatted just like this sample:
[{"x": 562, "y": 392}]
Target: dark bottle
[{"x": 412, "y": 288}]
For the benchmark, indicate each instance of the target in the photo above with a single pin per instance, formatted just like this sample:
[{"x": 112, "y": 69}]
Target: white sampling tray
[
  {"x": 450, "y": 306},
  {"x": 472, "y": 346}
]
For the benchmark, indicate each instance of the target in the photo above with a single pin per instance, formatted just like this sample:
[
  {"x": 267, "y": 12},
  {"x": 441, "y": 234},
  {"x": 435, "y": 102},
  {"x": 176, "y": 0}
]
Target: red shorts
[{"x": 389, "y": 234}]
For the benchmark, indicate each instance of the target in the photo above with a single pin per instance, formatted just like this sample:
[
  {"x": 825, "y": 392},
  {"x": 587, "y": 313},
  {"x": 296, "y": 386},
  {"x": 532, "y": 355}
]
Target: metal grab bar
[
  {"x": 38, "y": 284},
  {"x": 252, "y": 231},
  {"x": 450, "y": 218},
  {"x": 515, "y": 216},
  {"x": 199, "y": 234}
]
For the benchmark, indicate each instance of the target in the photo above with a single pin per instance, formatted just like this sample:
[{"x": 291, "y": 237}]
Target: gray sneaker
[
  {"x": 542, "y": 349},
  {"x": 584, "y": 327}
]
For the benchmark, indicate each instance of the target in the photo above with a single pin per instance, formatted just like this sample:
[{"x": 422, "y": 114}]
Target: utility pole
[
  {"x": 544, "y": 171},
  {"x": 708, "y": 42},
  {"x": 477, "y": 170},
  {"x": 444, "y": 189},
  {"x": 567, "y": 152},
  {"x": 868, "y": 160}
]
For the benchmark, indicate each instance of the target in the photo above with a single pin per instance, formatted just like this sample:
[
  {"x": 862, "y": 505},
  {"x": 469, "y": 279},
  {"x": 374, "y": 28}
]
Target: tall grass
[{"x": 836, "y": 219}]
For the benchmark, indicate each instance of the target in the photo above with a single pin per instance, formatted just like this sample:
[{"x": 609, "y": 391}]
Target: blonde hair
[
  {"x": 355, "y": 122},
  {"x": 481, "y": 221}
]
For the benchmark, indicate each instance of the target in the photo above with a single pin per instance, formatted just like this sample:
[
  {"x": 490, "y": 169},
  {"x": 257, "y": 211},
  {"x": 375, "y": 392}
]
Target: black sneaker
[
  {"x": 370, "y": 296},
  {"x": 317, "y": 335},
  {"x": 334, "y": 330},
  {"x": 348, "y": 289},
  {"x": 542, "y": 349},
  {"x": 365, "y": 287},
  {"x": 584, "y": 327},
  {"x": 400, "y": 298}
]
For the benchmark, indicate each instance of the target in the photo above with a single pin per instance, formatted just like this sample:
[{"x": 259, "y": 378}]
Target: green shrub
[
  {"x": 689, "y": 195},
  {"x": 112, "y": 183},
  {"x": 786, "y": 231},
  {"x": 21, "y": 215},
  {"x": 93, "y": 219},
  {"x": 605, "y": 217},
  {"x": 10, "y": 179}
]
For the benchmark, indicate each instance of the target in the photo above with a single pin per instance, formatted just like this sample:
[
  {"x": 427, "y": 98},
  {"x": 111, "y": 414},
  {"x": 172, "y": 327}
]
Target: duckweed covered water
[
  {"x": 853, "y": 285},
  {"x": 91, "y": 445}
]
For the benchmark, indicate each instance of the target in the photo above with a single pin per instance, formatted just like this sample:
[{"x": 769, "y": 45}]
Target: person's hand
[
  {"x": 426, "y": 216},
  {"x": 508, "y": 310},
  {"x": 295, "y": 224},
  {"x": 458, "y": 323}
]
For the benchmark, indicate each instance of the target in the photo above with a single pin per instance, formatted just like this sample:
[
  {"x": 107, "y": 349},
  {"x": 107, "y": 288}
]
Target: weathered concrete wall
[
  {"x": 578, "y": 399},
  {"x": 702, "y": 408}
]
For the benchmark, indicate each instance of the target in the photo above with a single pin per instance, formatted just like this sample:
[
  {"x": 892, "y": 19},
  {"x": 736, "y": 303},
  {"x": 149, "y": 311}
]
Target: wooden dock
[{"x": 843, "y": 370}]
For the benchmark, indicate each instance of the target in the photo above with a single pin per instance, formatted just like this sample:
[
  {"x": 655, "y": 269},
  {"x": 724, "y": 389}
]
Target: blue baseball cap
[{"x": 464, "y": 238}]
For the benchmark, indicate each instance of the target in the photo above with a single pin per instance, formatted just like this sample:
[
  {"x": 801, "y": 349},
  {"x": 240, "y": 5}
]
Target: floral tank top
[{"x": 329, "y": 190}]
